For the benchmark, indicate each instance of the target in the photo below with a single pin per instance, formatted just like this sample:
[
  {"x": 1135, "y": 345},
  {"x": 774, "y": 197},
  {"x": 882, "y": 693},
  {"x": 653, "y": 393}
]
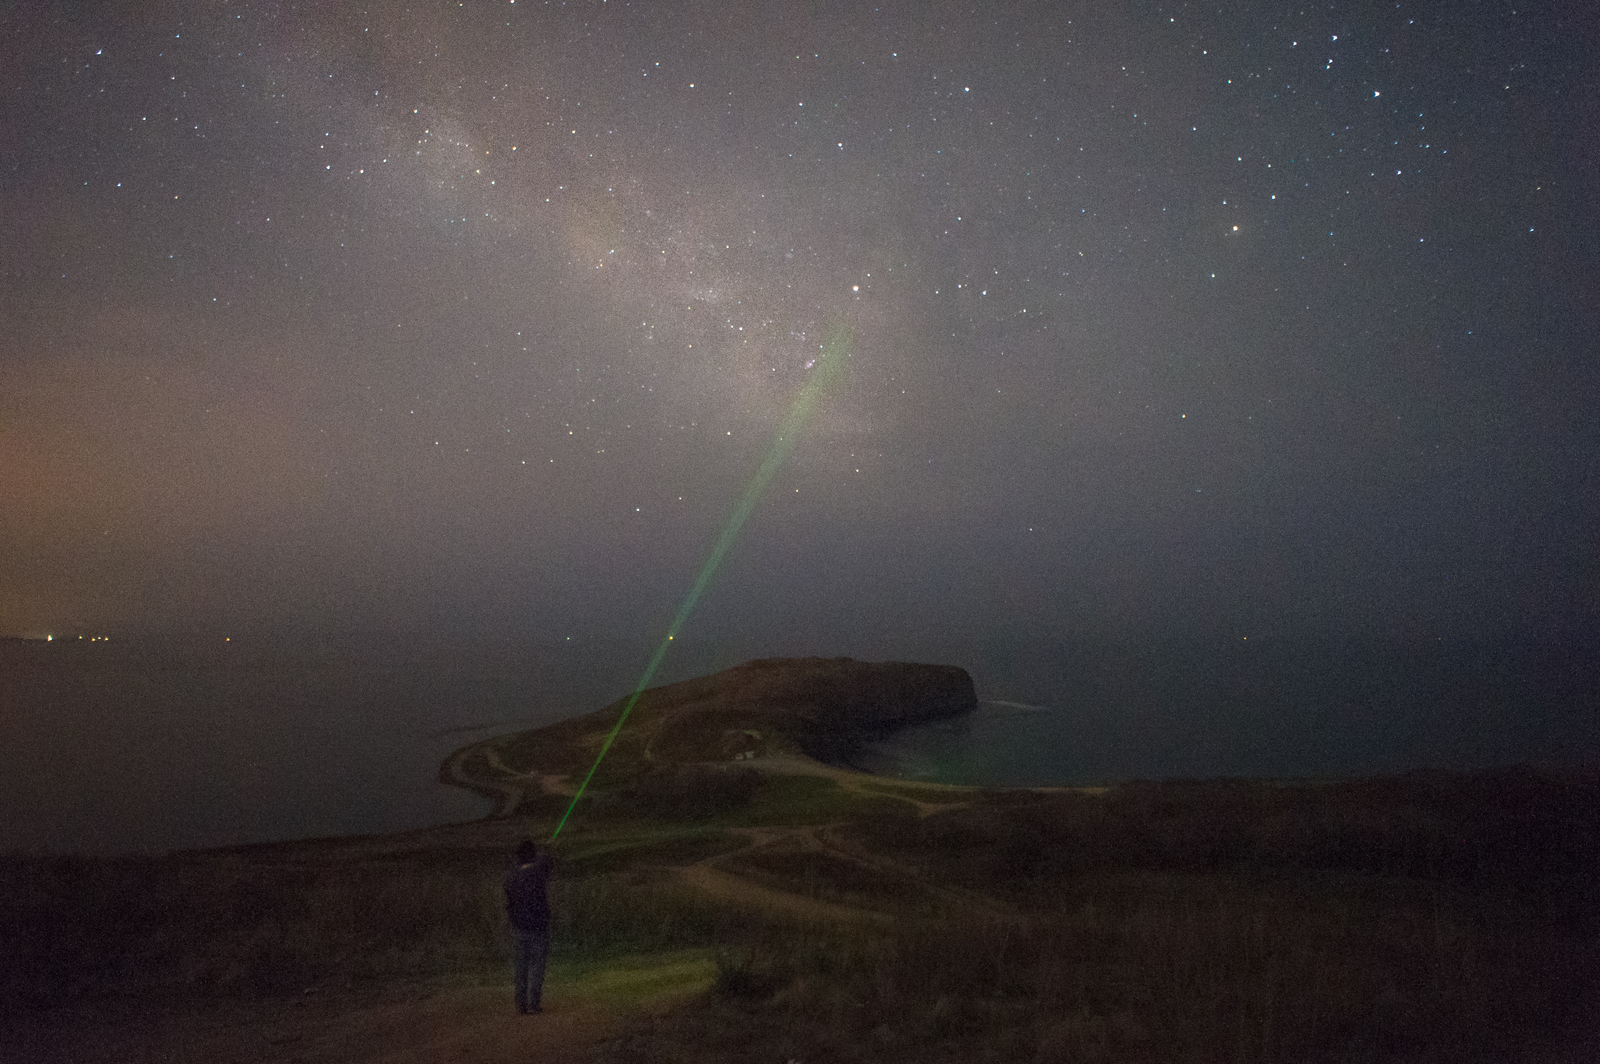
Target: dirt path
[
  {"x": 394, "y": 1024},
  {"x": 957, "y": 898},
  {"x": 864, "y": 783},
  {"x": 506, "y": 793},
  {"x": 729, "y": 888},
  {"x": 709, "y": 878},
  {"x": 474, "y": 1026},
  {"x": 480, "y": 769}
]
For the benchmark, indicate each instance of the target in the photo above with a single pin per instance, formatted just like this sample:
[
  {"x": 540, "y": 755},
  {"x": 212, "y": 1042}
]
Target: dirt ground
[
  {"x": 391, "y": 1024},
  {"x": 585, "y": 1009}
]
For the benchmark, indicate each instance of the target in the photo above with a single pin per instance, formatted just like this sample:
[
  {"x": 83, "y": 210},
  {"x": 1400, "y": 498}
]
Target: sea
[
  {"x": 1096, "y": 713},
  {"x": 154, "y": 745},
  {"x": 149, "y": 747}
]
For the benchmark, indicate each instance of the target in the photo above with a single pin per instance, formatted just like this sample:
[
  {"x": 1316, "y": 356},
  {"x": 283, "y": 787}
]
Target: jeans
[{"x": 531, "y": 949}]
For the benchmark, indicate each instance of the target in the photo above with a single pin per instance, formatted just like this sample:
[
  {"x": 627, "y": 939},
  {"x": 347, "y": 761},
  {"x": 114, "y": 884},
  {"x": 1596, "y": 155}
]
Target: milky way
[{"x": 479, "y": 315}]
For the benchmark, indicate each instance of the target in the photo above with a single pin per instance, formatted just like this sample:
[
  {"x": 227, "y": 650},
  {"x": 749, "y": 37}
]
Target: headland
[{"x": 798, "y": 716}]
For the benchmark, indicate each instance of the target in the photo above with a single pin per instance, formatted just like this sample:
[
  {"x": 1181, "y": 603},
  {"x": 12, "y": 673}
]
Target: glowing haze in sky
[{"x": 1271, "y": 321}]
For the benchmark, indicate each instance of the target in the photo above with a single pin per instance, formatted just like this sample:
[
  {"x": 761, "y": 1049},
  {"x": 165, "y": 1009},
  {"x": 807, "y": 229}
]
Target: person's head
[{"x": 527, "y": 850}]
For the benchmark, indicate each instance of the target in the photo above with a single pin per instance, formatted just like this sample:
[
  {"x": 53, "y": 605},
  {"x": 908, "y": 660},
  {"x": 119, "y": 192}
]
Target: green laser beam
[{"x": 827, "y": 369}]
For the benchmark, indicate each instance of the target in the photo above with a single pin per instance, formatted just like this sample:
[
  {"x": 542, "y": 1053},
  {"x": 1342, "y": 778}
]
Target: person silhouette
[{"x": 528, "y": 906}]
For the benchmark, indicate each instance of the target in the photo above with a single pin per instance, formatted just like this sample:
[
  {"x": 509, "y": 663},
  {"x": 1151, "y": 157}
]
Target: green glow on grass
[{"x": 827, "y": 369}]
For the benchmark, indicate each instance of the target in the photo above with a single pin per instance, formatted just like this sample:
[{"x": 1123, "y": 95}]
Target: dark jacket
[{"x": 528, "y": 895}]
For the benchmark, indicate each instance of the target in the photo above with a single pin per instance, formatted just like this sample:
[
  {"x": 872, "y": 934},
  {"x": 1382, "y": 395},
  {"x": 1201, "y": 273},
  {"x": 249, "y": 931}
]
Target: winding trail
[
  {"x": 862, "y": 783},
  {"x": 496, "y": 780},
  {"x": 480, "y": 768}
]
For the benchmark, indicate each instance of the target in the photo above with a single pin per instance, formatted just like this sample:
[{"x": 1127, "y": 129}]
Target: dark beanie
[{"x": 526, "y": 851}]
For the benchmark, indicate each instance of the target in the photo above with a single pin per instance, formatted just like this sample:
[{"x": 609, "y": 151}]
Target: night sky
[{"x": 1277, "y": 321}]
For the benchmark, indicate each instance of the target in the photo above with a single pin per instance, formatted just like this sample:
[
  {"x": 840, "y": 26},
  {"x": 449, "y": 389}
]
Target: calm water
[
  {"x": 148, "y": 749},
  {"x": 1087, "y": 715}
]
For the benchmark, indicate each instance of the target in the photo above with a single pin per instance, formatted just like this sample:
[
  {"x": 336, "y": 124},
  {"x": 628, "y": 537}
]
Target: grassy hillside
[
  {"x": 799, "y": 911},
  {"x": 1425, "y": 917}
]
